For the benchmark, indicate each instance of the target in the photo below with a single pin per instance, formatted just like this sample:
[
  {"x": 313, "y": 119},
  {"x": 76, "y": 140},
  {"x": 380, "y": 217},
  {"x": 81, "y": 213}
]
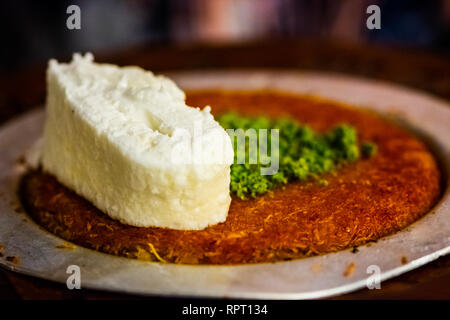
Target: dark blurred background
[
  {"x": 411, "y": 48},
  {"x": 34, "y": 31}
]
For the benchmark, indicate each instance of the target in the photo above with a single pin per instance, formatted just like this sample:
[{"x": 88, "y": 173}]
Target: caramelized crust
[{"x": 362, "y": 202}]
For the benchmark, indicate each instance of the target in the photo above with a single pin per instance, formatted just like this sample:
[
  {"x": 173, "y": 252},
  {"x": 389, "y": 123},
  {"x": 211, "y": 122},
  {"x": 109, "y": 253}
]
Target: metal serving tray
[{"x": 29, "y": 249}]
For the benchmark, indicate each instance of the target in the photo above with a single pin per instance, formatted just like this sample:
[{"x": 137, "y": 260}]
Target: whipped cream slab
[{"x": 125, "y": 140}]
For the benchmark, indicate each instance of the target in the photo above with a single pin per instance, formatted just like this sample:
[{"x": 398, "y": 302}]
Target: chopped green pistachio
[
  {"x": 368, "y": 149},
  {"x": 303, "y": 153}
]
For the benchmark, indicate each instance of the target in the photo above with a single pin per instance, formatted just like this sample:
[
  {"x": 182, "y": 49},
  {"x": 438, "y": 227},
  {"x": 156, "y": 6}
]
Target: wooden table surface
[{"x": 25, "y": 89}]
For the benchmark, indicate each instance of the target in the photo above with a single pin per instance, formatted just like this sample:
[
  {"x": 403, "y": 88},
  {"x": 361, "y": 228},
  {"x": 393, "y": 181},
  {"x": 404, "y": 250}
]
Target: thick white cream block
[{"x": 125, "y": 140}]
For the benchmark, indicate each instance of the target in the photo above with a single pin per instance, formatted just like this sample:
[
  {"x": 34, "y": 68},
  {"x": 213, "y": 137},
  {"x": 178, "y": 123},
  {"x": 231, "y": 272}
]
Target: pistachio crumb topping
[
  {"x": 303, "y": 153},
  {"x": 368, "y": 149}
]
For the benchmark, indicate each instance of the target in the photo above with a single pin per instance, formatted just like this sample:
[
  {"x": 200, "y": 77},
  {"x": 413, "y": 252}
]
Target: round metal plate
[{"x": 39, "y": 253}]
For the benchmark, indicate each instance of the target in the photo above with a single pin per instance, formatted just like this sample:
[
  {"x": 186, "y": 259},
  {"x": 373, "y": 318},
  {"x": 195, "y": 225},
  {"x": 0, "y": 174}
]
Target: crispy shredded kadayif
[{"x": 361, "y": 201}]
